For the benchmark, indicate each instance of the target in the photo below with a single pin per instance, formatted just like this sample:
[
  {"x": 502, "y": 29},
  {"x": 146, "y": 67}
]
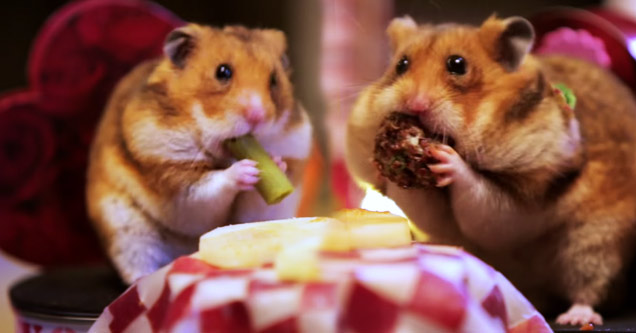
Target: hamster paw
[
  {"x": 281, "y": 164},
  {"x": 580, "y": 314},
  {"x": 450, "y": 166},
  {"x": 245, "y": 174}
]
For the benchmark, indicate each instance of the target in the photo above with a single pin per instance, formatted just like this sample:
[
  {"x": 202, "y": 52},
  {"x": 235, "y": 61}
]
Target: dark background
[
  {"x": 20, "y": 21},
  {"x": 475, "y": 12}
]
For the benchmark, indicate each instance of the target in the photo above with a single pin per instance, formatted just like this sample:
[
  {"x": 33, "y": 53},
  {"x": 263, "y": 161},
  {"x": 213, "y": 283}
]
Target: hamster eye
[
  {"x": 273, "y": 81},
  {"x": 456, "y": 65},
  {"x": 402, "y": 65},
  {"x": 223, "y": 72}
]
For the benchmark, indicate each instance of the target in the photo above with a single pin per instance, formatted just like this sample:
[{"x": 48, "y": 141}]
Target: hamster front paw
[
  {"x": 282, "y": 165},
  {"x": 580, "y": 314},
  {"x": 450, "y": 167},
  {"x": 244, "y": 174}
]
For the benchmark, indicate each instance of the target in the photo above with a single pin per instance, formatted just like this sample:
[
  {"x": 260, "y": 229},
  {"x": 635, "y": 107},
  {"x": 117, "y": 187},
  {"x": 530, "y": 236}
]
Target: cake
[{"x": 356, "y": 271}]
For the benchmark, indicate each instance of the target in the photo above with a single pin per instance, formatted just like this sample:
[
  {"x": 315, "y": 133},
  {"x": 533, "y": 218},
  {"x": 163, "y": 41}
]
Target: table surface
[{"x": 625, "y": 321}]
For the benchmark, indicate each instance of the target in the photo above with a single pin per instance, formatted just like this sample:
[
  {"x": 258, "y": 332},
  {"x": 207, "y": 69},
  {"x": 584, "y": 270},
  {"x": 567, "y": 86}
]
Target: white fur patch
[
  {"x": 116, "y": 211},
  {"x": 250, "y": 99},
  {"x": 125, "y": 179},
  {"x": 272, "y": 129},
  {"x": 273, "y": 135},
  {"x": 443, "y": 118},
  {"x": 214, "y": 131},
  {"x": 152, "y": 139},
  {"x": 574, "y": 142},
  {"x": 250, "y": 207},
  {"x": 447, "y": 118},
  {"x": 387, "y": 99},
  {"x": 205, "y": 205},
  {"x": 481, "y": 123},
  {"x": 292, "y": 143}
]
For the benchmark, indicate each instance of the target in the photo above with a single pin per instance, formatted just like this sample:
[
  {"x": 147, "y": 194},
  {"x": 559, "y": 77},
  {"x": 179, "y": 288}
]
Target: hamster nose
[
  {"x": 253, "y": 108},
  {"x": 255, "y": 114},
  {"x": 418, "y": 104}
]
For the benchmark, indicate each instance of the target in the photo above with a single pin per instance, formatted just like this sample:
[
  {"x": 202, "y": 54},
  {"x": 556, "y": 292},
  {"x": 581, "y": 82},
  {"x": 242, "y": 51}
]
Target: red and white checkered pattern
[{"x": 420, "y": 288}]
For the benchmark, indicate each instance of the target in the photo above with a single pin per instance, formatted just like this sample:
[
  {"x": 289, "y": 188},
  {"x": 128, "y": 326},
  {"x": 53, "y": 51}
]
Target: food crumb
[{"x": 587, "y": 327}]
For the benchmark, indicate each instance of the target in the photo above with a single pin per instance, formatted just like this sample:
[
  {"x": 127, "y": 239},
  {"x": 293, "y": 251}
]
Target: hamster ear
[
  {"x": 509, "y": 40},
  {"x": 276, "y": 38},
  {"x": 179, "y": 44},
  {"x": 399, "y": 29}
]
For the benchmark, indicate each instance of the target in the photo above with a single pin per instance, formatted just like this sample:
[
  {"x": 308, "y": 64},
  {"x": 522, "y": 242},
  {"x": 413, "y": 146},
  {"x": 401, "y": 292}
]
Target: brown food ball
[{"x": 402, "y": 152}]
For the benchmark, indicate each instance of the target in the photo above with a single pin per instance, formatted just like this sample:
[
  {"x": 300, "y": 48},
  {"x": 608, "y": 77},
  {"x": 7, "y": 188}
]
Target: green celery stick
[{"x": 273, "y": 185}]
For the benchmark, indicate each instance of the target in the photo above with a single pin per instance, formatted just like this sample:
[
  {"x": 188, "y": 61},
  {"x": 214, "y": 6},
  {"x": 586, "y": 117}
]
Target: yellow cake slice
[{"x": 293, "y": 245}]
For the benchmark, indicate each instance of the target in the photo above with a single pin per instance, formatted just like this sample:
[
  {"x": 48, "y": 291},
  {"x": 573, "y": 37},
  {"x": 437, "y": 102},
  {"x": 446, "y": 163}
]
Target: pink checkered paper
[{"x": 418, "y": 288}]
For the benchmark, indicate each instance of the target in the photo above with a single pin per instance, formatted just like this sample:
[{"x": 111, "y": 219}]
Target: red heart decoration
[
  {"x": 603, "y": 25},
  {"x": 45, "y": 131}
]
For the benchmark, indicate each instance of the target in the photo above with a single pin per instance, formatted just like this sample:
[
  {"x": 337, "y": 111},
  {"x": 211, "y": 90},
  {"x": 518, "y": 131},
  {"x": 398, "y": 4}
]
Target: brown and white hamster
[
  {"x": 543, "y": 193},
  {"x": 159, "y": 176}
]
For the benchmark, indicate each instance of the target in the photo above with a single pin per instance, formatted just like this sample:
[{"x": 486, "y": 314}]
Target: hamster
[
  {"x": 542, "y": 192},
  {"x": 159, "y": 176}
]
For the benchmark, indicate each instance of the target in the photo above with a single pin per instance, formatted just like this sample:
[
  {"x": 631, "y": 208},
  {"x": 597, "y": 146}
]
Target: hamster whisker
[
  {"x": 203, "y": 151},
  {"x": 476, "y": 155},
  {"x": 349, "y": 97},
  {"x": 350, "y": 16},
  {"x": 200, "y": 154},
  {"x": 351, "y": 89}
]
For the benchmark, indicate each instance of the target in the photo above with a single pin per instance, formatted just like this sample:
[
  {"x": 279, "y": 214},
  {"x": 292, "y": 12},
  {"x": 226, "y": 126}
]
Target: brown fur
[
  {"x": 573, "y": 196},
  {"x": 136, "y": 186}
]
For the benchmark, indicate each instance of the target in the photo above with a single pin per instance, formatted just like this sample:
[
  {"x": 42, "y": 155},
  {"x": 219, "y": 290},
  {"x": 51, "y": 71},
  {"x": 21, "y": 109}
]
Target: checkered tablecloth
[{"x": 420, "y": 288}]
